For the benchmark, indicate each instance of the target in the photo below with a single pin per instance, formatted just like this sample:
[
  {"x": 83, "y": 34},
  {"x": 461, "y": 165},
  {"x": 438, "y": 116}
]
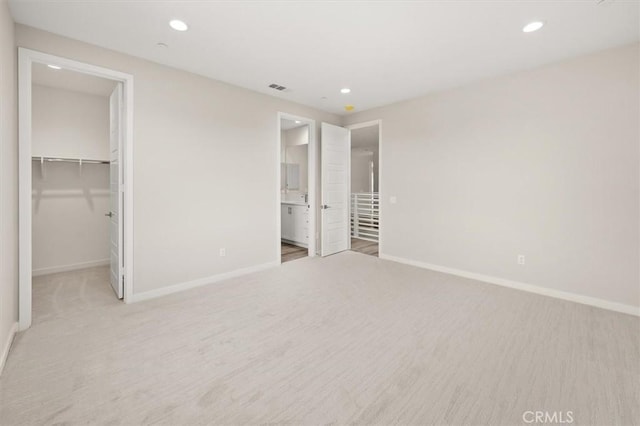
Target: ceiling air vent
[{"x": 277, "y": 87}]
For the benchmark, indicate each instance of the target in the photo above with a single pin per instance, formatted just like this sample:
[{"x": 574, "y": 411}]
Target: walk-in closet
[{"x": 71, "y": 175}]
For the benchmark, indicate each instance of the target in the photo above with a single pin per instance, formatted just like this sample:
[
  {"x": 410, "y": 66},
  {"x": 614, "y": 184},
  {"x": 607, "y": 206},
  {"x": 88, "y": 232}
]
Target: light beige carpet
[{"x": 345, "y": 339}]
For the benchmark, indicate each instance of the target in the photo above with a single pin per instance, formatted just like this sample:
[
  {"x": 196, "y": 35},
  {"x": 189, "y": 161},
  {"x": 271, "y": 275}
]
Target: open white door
[
  {"x": 116, "y": 229},
  {"x": 336, "y": 181}
]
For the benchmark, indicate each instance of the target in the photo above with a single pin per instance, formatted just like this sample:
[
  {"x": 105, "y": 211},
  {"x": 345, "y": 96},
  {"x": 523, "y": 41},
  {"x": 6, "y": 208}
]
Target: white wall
[
  {"x": 297, "y": 136},
  {"x": 542, "y": 163},
  {"x": 69, "y": 226},
  {"x": 69, "y": 124},
  {"x": 205, "y": 175},
  {"x": 365, "y": 139},
  {"x": 8, "y": 181},
  {"x": 361, "y": 171}
]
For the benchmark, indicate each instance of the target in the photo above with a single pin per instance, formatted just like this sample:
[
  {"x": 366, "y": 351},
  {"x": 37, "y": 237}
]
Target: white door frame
[
  {"x": 312, "y": 175},
  {"x": 27, "y": 57},
  {"x": 380, "y": 184}
]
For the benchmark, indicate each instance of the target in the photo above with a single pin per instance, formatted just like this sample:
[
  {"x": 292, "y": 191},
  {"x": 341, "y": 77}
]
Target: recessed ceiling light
[
  {"x": 533, "y": 26},
  {"x": 345, "y": 90},
  {"x": 178, "y": 25},
  {"x": 162, "y": 45},
  {"x": 54, "y": 67},
  {"x": 298, "y": 121}
]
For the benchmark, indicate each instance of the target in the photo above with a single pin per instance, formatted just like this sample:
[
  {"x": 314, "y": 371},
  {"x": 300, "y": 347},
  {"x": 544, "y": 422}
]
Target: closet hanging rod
[{"x": 69, "y": 160}]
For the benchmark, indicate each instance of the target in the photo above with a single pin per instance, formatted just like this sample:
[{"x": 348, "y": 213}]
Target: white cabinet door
[
  {"x": 294, "y": 222},
  {"x": 286, "y": 222},
  {"x": 300, "y": 224}
]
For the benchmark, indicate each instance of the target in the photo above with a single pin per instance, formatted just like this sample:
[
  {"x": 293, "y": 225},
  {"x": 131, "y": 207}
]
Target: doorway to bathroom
[{"x": 296, "y": 194}]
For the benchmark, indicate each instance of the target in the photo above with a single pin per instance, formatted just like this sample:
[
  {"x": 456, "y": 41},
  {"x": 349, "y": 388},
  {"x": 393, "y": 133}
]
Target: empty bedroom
[{"x": 320, "y": 212}]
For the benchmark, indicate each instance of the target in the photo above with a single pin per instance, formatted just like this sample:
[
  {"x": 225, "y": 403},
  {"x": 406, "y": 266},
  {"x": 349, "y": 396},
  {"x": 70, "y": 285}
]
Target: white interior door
[
  {"x": 116, "y": 229},
  {"x": 335, "y": 154}
]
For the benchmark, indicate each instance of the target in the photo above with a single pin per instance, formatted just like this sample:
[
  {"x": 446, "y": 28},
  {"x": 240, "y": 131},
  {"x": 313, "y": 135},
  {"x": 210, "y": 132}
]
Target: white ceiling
[
  {"x": 286, "y": 124},
  {"x": 71, "y": 80},
  {"x": 385, "y": 51}
]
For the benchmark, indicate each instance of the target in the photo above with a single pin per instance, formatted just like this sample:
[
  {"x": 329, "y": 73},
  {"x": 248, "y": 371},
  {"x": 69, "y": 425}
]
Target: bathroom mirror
[
  {"x": 293, "y": 177},
  {"x": 294, "y": 154}
]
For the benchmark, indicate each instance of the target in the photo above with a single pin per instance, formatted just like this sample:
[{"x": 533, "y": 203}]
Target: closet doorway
[{"x": 75, "y": 172}]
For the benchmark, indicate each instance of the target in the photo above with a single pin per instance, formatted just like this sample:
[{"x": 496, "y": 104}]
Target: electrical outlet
[
  {"x": 393, "y": 200},
  {"x": 521, "y": 259},
  {"x": 223, "y": 252}
]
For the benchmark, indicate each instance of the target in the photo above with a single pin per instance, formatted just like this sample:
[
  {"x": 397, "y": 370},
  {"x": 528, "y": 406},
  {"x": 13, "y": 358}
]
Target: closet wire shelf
[{"x": 68, "y": 160}]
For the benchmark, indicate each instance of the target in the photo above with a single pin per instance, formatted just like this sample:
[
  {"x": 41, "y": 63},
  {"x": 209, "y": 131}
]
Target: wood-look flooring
[
  {"x": 290, "y": 252},
  {"x": 346, "y": 339},
  {"x": 364, "y": 246}
]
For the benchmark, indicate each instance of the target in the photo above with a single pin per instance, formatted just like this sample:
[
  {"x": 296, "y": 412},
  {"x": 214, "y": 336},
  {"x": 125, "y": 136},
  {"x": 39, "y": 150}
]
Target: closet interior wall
[{"x": 70, "y": 230}]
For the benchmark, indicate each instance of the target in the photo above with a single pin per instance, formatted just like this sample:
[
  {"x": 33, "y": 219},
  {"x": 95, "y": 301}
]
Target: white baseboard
[
  {"x": 7, "y": 346},
  {"x": 67, "y": 268},
  {"x": 572, "y": 297},
  {"x": 152, "y": 294}
]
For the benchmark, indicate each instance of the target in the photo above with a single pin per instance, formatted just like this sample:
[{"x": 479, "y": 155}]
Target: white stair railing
[{"x": 365, "y": 215}]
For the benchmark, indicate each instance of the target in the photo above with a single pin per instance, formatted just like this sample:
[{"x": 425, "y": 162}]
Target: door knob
[
  {"x": 110, "y": 214},
  {"x": 324, "y": 206}
]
